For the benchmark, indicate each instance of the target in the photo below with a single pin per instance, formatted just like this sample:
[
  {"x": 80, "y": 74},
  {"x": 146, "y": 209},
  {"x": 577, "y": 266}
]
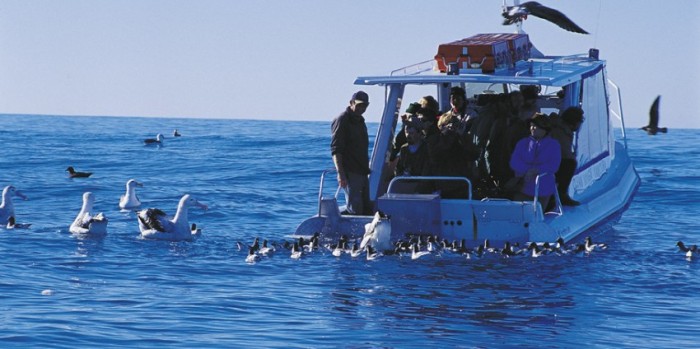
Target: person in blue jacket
[{"x": 536, "y": 155}]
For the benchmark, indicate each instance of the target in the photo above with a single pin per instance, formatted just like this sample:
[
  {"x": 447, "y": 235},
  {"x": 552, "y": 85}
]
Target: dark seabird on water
[
  {"x": 518, "y": 13},
  {"x": 653, "y": 127},
  {"x": 12, "y": 224},
  {"x": 689, "y": 251},
  {"x": 296, "y": 251},
  {"x": 72, "y": 173},
  {"x": 252, "y": 256},
  {"x": 154, "y": 141}
]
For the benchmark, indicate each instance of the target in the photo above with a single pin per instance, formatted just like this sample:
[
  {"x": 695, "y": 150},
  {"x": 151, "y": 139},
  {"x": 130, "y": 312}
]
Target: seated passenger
[
  {"x": 412, "y": 160},
  {"x": 563, "y": 131},
  {"x": 457, "y": 115},
  {"x": 413, "y": 156},
  {"x": 451, "y": 153},
  {"x": 538, "y": 154},
  {"x": 400, "y": 138},
  {"x": 530, "y": 93},
  {"x": 495, "y": 161},
  {"x": 429, "y": 102},
  {"x": 508, "y": 134},
  {"x": 480, "y": 132}
]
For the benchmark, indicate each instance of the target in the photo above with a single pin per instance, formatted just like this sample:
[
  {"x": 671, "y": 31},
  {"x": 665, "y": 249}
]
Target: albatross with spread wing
[{"x": 518, "y": 13}]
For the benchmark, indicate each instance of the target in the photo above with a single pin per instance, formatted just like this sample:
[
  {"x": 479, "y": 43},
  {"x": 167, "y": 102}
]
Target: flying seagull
[
  {"x": 653, "y": 126},
  {"x": 518, "y": 13}
]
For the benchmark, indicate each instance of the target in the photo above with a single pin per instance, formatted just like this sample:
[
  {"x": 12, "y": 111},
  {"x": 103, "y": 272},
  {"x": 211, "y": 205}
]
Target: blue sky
[{"x": 297, "y": 60}]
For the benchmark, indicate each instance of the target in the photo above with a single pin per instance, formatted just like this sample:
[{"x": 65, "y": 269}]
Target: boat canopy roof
[{"x": 548, "y": 71}]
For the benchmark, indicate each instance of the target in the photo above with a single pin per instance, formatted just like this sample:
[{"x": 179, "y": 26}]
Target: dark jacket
[
  {"x": 450, "y": 154},
  {"x": 412, "y": 164},
  {"x": 349, "y": 138},
  {"x": 565, "y": 136}
]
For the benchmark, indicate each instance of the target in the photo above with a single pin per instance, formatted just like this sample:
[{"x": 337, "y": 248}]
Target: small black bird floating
[
  {"x": 653, "y": 127},
  {"x": 518, "y": 13},
  {"x": 72, "y": 173},
  {"x": 689, "y": 251}
]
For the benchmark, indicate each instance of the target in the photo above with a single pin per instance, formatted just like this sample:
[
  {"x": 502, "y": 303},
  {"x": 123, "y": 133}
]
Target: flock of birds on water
[
  {"x": 375, "y": 243},
  {"x": 153, "y": 223},
  {"x": 414, "y": 247}
]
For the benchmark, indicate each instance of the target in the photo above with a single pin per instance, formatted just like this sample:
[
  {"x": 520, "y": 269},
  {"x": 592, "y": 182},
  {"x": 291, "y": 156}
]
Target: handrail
[
  {"x": 429, "y": 178},
  {"x": 619, "y": 105},
  {"x": 537, "y": 191},
  {"x": 417, "y": 68},
  {"x": 320, "y": 189}
]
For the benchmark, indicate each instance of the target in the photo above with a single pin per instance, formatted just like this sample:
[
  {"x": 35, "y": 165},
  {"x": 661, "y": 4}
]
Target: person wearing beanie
[
  {"x": 349, "y": 149},
  {"x": 400, "y": 138},
  {"x": 457, "y": 117}
]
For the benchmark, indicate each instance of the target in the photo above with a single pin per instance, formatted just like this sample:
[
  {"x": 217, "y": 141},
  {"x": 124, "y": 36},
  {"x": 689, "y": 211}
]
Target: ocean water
[{"x": 260, "y": 179}]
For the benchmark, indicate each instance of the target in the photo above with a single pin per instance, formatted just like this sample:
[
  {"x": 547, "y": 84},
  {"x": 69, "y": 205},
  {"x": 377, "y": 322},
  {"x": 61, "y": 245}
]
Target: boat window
[
  {"x": 477, "y": 88},
  {"x": 593, "y": 136},
  {"x": 413, "y": 93}
]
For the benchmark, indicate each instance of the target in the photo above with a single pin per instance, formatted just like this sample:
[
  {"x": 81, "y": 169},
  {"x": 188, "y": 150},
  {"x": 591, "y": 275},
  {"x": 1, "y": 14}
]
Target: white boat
[{"x": 604, "y": 183}]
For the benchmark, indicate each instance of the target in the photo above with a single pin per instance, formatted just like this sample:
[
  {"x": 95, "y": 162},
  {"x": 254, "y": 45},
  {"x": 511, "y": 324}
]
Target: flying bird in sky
[
  {"x": 518, "y": 13},
  {"x": 653, "y": 127}
]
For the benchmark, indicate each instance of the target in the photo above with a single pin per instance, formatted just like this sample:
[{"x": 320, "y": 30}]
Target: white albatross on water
[
  {"x": 377, "y": 233},
  {"x": 7, "y": 208},
  {"x": 85, "y": 222},
  {"x": 129, "y": 199},
  {"x": 155, "y": 224}
]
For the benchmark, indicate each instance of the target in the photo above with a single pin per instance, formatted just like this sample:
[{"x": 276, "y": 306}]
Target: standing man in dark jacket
[{"x": 350, "y": 148}]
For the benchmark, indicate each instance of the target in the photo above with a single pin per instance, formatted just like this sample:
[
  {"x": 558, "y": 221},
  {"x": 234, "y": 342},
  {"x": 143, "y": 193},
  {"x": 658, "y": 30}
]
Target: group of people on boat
[{"x": 506, "y": 149}]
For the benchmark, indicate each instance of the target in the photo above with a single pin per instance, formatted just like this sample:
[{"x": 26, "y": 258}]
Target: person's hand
[
  {"x": 450, "y": 127},
  {"x": 531, "y": 174},
  {"x": 342, "y": 181},
  {"x": 462, "y": 126}
]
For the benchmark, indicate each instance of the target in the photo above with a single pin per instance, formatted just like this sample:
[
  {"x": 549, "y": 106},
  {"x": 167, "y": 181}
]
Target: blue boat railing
[
  {"x": 558, "y": 205},
  {"x": 429, "y": 178},
  {"x": 395, "y": 180},
  {"x": 320, "y": 189},
  {"x": 618, "y": 113}
]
